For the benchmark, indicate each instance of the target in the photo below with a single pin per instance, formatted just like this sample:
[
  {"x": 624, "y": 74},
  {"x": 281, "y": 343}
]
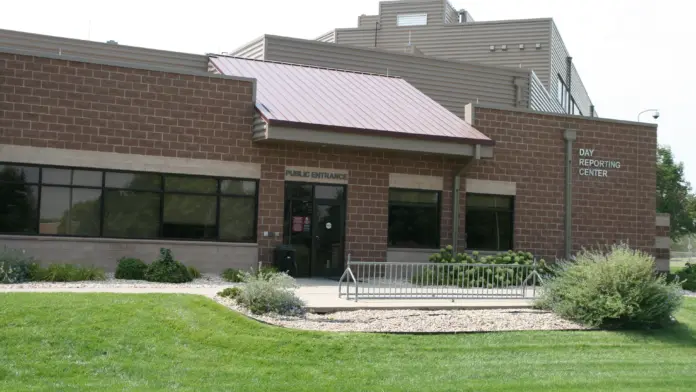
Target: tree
[{"x": 674, "y": 194}]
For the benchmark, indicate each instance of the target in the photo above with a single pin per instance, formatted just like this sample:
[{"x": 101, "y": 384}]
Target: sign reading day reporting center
[{"x": 593, "y": 167}]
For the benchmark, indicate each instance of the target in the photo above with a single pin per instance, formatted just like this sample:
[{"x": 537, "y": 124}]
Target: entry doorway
[{"x": 314, "y": 226}]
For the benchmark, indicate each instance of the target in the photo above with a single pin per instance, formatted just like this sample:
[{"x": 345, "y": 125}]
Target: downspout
[
  {"x": 569, "y": 135},
  {"x": 376, "y": 26},
  {"x": 456, "y": 192}
]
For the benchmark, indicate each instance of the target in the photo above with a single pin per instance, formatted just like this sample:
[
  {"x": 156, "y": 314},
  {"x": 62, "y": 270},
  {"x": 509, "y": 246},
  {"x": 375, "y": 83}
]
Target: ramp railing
[{"x": 389, "y": 280}]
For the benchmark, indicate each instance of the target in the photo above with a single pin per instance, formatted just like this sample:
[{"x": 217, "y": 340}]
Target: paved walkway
[{"x": 320, "y": 295}]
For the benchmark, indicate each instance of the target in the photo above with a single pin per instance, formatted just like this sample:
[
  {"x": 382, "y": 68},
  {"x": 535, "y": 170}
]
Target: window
[
  {"x": 419, "y": 19},
  {"x": 489, "y": 222},
  {"x": 414, "y": 219},
  {"x": 19, "y": 197},
  {"x": 562, "y": 93},
  {"x": 95, "y": 203}
]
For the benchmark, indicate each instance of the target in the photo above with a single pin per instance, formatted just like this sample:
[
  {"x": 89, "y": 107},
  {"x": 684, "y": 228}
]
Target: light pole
[{"x": 656, "y": 113}]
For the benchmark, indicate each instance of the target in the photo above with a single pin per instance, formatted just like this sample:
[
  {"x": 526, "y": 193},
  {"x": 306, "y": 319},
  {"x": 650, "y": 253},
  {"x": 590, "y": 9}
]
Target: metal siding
[
  {"x": 453, "y": 84},
  {"x": 328, "y": 37},
  {"x": 451, "y": 14},
  {"x": 309, "y": 95},
  {"x": 99, "y": 51},
  {"x": 559, "y": 66},
  {"x": 364, "y": 21},
  {"x": 252, "y": 50},
  {"x": 540, "y": 99},
  {"x": 465, "y": 42}
]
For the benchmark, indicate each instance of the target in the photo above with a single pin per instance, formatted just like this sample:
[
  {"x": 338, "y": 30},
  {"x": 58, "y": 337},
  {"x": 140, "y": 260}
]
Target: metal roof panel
[{"x": 292, "y": 93}]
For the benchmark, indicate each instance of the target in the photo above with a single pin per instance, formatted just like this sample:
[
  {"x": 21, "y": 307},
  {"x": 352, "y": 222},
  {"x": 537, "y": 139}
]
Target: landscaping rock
[{"x": 417, "y": 321}]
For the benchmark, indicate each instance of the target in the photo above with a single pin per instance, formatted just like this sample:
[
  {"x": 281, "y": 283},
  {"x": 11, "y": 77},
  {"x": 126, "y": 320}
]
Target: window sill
[
  {"x": 414, "y": 250},
  {"x": 123, "y": 240}
]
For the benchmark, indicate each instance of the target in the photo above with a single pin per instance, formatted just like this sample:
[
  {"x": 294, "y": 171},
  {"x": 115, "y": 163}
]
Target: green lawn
[
  {"x": 675, "y": 265},
  {"x": 113, "y": 342}
]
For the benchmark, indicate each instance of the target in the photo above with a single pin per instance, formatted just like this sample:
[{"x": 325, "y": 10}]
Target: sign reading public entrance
[
  {"x": 309, "y": 174},
  {"x": 590, "y": 166}
]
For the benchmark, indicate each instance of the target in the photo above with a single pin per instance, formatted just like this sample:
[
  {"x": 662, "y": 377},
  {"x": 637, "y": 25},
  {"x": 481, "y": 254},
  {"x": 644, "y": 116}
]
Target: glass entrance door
[{"x": 314, "y": 226}]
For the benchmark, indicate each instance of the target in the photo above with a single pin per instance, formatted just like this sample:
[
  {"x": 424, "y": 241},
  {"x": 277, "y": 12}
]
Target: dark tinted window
[
  {"x": 238, "y": 187},
  {"x": 189, "y": 216},
  {"x": 237, "y": 217},
  {"x": 70, "y": 211},
  {"x": 489, "y": 222},
  {"x": 414, "y": 219},
  {"x": 21, "y": 174},
  {"x": 131, "y": 214},
  {"x": 133, "y": 181},
  {"x": 190, "y": 184}
]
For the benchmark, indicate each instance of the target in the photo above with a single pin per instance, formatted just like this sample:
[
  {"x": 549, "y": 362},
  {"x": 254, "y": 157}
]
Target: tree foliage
[{"x": 674, "y": 195}]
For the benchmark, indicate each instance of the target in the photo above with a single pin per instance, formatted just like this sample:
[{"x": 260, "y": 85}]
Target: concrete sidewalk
[{"x": 320, "y": 296}]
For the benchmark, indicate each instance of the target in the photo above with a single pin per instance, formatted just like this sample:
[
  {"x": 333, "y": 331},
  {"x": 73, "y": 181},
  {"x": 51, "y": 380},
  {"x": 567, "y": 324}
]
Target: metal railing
[{"x": 388, "y": 280}]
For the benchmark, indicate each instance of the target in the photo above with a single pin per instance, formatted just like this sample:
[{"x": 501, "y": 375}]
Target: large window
[
  {"x": 489, "y": 222},
  {"x": 414, "y": 219},
  {"x": 95, "y": 203}
]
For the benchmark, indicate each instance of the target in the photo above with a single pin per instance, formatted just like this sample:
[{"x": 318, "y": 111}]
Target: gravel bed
[
  {"x": 417, "y": 321},
  {"x": 205, "y": 281}
]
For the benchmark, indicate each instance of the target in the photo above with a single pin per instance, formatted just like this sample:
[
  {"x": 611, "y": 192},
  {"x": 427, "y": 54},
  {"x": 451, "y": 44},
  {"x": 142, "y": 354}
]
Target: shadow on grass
[{"x": 678, "y": 334}]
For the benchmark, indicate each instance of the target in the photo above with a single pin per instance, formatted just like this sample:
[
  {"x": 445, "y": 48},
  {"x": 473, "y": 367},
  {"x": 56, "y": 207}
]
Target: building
[
  {"x": 111, "y": 153},
  {"x": 436, "y": 29}
]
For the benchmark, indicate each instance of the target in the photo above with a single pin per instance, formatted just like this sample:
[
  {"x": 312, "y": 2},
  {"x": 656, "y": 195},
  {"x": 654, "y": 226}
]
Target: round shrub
[
  {"x": 230, "y": 292},
  {"x": 167, "y": 270},
  {"x": 131, "y": 269},
  {"x": 687, "y": 276},
  {"x": 613, "y": 289}
]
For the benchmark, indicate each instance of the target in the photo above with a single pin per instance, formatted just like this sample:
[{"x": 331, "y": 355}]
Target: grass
[{"x": 165, "y": 342}]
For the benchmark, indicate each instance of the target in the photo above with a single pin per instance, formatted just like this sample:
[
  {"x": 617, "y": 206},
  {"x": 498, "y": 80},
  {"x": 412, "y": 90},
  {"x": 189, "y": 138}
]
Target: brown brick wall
[
  {"x": 530, "y": 151},
  {"x": 82, "y": 106},
  {"x": 73, "y": 105}
]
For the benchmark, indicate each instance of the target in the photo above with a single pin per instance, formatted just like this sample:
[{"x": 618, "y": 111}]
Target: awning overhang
[{"x": 393, "y": 141}]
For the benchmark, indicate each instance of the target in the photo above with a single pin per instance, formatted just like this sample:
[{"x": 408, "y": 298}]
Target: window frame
[
  {"x": 513, "y": 199},
  {"x": 218, "y": 194},
  {"x": 438, "y": 206}
]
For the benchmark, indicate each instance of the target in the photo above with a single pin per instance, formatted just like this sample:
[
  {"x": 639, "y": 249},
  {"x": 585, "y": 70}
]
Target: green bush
[
  {"x": 131, "y": 269},
  {"x": 613, "y": 289},
  {"x": 68, "y": 273},
  {"x": 15, "y": 266},
  {"x": 475, "y": 270},
  {"x": 269, "y": 293},
  {"x": 230, "y": 292},
  {"x": 167, "y": 270},
  {"x": 687, "y": 276},
  {"x": 232, "y": 275},
  {"x": 195, "y": 273}
]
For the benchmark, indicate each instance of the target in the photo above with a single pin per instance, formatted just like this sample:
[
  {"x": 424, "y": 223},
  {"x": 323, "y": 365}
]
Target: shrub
[
  {"x": 131, "y": 268},
  {"x": 613, "y": 289},
  {"x": 230, "y": 292},
  {"x": 69, "y": 273},
  {"x": 195, "y": 273},
  {"x": 475, "y": 270},
  {"x": 232, "y": 275},
  {"x": 270, "y": 293},
  {"x": 15, "y": 266},
  {"x": 687, "y": 276},
  {"x": 167, "y": 270}
]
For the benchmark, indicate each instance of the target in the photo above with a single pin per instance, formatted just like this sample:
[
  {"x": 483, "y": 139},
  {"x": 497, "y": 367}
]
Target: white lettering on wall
[{"x": 593, "y": 167}]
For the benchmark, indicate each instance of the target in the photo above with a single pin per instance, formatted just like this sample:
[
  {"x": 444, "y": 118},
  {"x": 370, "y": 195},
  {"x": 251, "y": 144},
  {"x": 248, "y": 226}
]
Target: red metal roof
[{"x": 298, "y": 94}]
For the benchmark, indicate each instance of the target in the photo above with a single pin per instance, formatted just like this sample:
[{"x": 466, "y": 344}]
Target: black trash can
[{"x": 284, "y": 259}]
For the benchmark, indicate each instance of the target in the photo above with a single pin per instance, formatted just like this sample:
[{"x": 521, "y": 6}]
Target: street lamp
[{"x": 656, "y": 113}]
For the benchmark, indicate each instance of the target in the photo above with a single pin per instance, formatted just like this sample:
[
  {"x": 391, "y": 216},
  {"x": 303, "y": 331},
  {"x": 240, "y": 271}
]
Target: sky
[{"x": 631, "y": 55}]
